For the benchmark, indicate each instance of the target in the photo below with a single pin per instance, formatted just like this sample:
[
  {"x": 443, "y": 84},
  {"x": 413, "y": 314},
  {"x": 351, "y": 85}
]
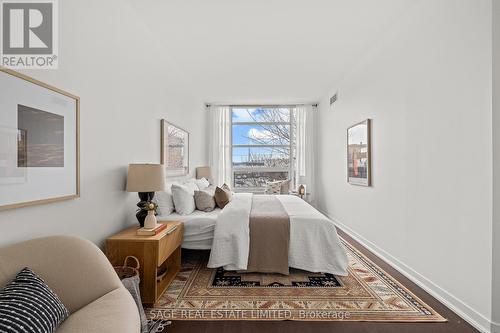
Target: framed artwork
[
  {"x": 174, "y": 149},
  {"x": 359, "y": 154},
  {"x": 39, "y": 142}
]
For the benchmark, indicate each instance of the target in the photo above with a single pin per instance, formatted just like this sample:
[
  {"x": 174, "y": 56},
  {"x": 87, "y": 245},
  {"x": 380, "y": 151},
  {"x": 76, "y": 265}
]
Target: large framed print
[
  {"x": 174, "y": 149},
  {"x": 39, "y": 142},
  {"x": 359, "y": 154}
]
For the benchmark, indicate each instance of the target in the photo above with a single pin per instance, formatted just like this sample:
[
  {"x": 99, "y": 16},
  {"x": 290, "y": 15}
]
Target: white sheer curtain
[
  {"x": 220, "y": 144},
  {"x": 305, "y": 116}
]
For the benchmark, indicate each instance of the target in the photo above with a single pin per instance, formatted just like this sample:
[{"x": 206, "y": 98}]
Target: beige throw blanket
[
  {"x": 269, "y": 236},
  {"x": 314, "y": 243}
]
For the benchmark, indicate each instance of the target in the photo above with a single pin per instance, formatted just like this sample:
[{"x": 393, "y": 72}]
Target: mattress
[{"x": 198, "y": 228}]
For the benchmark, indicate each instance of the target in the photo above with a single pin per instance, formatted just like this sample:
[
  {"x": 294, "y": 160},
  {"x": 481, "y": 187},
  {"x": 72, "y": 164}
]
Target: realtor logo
[{"x": 29, "y": 34}]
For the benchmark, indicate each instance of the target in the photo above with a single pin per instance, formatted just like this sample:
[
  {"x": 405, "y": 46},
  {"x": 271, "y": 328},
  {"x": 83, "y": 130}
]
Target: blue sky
[{"x": 242, "y": 132}]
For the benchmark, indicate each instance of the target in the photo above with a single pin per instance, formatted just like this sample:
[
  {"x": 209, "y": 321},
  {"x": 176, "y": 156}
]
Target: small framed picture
[{"x": 359, "y": 154}]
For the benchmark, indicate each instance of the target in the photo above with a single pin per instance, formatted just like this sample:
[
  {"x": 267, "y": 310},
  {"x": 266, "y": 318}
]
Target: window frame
[{"x": 290, "y": 123}]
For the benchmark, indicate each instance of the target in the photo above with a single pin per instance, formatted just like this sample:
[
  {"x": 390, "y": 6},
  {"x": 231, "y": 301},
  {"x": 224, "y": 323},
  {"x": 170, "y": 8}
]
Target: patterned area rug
[{"x": 366, "y": 294}]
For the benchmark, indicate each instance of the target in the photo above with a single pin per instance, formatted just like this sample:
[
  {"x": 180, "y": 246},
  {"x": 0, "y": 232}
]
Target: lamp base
[
  {"x": 301, "y": 191},
  {"x": 141, "y": 213}
]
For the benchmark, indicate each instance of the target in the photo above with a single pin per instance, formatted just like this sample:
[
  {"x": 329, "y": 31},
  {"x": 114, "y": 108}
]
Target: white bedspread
[
  {"x": 314, "y": 243},
  {"x": 231, "y": 243}
]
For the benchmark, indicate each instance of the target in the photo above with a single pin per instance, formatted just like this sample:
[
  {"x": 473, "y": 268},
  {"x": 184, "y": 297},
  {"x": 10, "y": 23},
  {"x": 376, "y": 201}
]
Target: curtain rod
[{"x": 260, "y": 105}]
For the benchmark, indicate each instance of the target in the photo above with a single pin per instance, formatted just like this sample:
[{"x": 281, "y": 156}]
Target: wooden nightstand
[{"x": 159, "y": 256}]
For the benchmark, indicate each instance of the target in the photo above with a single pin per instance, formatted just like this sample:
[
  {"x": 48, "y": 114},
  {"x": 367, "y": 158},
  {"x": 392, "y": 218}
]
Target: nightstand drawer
[{"x": 168, "y": 243}]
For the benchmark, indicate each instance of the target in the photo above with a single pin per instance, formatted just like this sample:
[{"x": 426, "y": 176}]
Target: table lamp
[
  {"x": 204, "y": 172},
  {"x": 145, "y": 179},
  {"x": 302, "y": 187}
]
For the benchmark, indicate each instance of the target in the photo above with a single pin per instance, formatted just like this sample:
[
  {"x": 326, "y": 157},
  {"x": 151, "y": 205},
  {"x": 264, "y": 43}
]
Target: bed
[
  {"x": 199, "y": 228},
  {"x": 313, "y": 241}
]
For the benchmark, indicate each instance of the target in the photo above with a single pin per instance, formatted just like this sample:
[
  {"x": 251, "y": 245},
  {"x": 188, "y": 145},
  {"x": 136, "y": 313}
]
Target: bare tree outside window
[{"x": 263, "y": 146}]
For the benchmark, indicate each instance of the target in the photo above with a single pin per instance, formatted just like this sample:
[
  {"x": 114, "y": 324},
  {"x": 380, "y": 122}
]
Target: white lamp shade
[{"x": 145, "y": 178}]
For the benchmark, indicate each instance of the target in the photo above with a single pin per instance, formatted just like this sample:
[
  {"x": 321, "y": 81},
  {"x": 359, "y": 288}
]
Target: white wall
[
  {"x": 427, "y": 87},
  {"x": 496, "y": 168},
  {"x": 126, "y": 85}
]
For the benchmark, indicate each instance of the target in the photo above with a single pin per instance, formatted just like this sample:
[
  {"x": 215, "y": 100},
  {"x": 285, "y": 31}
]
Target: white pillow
[
  {"x": 202, "y": 183},
  {"x": 191, "y": 186},
  {"x": 183, "y": 196},
  {"x": 164, "y": 200}
]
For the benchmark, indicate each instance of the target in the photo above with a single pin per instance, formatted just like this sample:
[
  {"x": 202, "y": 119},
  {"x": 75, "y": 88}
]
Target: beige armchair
[{"x": 80, "y": 274}]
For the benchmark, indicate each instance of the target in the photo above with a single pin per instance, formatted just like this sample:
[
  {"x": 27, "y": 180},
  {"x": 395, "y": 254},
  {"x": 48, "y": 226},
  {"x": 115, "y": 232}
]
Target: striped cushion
[{"x": 27, "y": 304}]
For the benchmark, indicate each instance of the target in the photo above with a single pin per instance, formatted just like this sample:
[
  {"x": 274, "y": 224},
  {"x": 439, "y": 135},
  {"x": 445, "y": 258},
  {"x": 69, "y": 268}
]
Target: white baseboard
[
  {"x": 495, "y": 327},
  {"x": 470, "y": 315}
]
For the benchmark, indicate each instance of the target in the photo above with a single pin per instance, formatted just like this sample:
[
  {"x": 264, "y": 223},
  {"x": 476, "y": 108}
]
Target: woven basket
[{"x": 127, "y": 271}]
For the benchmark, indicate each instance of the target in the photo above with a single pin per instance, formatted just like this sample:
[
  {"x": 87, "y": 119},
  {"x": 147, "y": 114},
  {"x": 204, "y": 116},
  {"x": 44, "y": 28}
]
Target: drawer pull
[{"x": 171, "y": 230}]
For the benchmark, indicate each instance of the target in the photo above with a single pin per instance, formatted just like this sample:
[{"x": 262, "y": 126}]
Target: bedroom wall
[
  {"x": 426, "y": 84},
  {"x": 126, "y": 85},
  {"x": 495, "y": 327}
]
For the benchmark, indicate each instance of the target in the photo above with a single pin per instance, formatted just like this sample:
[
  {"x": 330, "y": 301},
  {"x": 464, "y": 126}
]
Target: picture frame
[
  {"x": 40, "y": 142},
  {"x": 174, "y": 149},
  {"x": 359, "y": 154}
]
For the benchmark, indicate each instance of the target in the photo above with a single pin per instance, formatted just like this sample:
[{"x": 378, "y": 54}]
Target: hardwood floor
[{"x": 454, "y": 325}]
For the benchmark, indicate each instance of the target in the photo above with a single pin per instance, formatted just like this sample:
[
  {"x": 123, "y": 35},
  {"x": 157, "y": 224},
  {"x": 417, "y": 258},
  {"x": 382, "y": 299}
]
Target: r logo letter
[
  {"x": 35, "y": 22},
  {"x": 16, "y": 28},
  {"x": 27, "y": 28}
]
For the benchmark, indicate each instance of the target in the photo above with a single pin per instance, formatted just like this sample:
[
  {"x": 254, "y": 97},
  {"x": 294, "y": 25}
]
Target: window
[{"x": 262, "y": 146}]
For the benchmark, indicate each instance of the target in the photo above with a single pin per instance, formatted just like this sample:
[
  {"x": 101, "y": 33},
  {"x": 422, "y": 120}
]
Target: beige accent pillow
[
  {"x": 222, "y": 196},
  {"x": 226, "y": 187},
  {"x": 204, "y": 201}
]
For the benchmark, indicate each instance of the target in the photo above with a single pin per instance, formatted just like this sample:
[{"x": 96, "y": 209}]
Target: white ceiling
[{"x": 266, "y": 51}]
